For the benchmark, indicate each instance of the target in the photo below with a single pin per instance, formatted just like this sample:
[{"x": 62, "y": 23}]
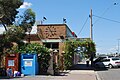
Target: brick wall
[{"x": 51, "y": 31}]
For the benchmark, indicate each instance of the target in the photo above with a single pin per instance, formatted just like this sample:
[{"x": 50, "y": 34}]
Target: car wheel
[{"x": 110, "y": 66}]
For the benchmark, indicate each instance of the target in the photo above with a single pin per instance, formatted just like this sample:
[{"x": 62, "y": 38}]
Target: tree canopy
[
  {"x": 16, "y": 33},
  {"x": 27, "y": 20},
  {"x": 8, "y": 11},
  {"x": 8, "y": 16}
]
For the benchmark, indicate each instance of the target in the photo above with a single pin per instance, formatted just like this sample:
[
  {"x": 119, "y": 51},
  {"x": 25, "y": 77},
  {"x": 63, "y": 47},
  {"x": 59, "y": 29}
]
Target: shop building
[{"x": 54, "y": 35}]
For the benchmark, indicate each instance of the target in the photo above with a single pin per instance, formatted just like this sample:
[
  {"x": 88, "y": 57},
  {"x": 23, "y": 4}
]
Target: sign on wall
[{"x": 10, "y": 62}]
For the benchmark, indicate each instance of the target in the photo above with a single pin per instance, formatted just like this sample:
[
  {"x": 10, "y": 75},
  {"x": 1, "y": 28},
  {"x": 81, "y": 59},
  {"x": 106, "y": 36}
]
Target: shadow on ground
[
  {"x": 4, "y": 77},
  {"x": 100, "y": 69},
  {"x": 77, "y": 67},
  {"x": 81, "y": 67},
  {"x": 85, "y": 67},
  {"x": 64, "y": 73}
]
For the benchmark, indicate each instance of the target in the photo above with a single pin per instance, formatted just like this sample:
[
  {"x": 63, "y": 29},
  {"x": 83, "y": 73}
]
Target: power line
[
  {"x": 83, "y": 26},
  {"x": 107, "y": 19},
  {"x": 107, "y": 10},
  {"x": 100, "y": 17}
]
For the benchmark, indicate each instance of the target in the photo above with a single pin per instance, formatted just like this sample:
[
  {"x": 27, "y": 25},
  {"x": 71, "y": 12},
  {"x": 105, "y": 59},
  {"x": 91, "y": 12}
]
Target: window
[
  {"x": 105, "y": 60},
  {"x": 51, "y": 45},
  {"x": 48, "y": 45},
  {"x": 115, "y": 59},
  {"x": 55, "y": 45}
]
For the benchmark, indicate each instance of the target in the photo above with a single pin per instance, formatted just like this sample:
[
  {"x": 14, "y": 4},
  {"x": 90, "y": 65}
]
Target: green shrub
[{"x": 43, "y": 55}]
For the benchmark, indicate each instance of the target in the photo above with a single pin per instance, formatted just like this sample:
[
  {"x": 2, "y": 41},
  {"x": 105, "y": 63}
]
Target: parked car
[
  {"x": 108, "y": 62},
  {"x": 99, "y": 59}
]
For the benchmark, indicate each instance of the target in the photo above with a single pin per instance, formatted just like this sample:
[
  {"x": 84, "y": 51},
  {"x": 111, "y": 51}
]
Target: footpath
[{"x": 77, "y": 72}]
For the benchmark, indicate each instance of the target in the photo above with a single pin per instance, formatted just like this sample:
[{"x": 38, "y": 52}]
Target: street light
[{"x": 29, "y": 30}]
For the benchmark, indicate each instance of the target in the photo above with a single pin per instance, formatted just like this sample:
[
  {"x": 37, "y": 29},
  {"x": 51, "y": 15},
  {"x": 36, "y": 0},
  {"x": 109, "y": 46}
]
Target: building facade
[{"x": 54, "y": 35}]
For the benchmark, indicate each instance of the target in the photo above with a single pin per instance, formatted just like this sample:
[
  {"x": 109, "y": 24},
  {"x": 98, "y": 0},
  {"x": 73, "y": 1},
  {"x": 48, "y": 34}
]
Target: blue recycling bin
[{"x": 29, "y": 64}]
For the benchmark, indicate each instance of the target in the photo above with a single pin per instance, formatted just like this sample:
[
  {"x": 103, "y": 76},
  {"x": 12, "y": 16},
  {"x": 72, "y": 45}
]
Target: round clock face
[{"x": 50, "y": 31}]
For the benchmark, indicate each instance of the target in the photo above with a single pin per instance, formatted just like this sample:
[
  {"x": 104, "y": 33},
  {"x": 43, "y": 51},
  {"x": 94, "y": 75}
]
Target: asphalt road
[{"x": 110, "y": 74}]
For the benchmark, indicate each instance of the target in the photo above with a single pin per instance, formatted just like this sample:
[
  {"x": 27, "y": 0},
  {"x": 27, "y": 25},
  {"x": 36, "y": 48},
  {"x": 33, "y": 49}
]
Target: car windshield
[
  {"x": 114, "y": 59},
  {"x": 105, "y": 60}
]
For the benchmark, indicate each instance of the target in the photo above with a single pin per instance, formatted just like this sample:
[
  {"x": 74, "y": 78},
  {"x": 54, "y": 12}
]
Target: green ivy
[{"x": 70, "y": 47}]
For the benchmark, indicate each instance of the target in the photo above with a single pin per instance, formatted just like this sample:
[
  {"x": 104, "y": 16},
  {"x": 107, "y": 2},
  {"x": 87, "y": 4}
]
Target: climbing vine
[{"x": 87, "y": 47}]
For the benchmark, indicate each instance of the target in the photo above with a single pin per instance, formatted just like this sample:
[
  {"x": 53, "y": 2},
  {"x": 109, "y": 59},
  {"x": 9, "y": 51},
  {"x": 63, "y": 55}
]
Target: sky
[{"x": 106, "y": 19}]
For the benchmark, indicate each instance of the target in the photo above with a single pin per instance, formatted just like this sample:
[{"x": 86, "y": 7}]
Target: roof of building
[{"x": 51, "y": 24}]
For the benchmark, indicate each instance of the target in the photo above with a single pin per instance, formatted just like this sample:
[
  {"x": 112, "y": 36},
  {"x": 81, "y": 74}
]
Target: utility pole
[
  {"x": 91, "y": 35},
  {"x": 91, "y": 25}
]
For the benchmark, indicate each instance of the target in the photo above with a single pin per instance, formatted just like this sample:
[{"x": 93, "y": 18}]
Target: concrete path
[{"x": 77, "y": 72}]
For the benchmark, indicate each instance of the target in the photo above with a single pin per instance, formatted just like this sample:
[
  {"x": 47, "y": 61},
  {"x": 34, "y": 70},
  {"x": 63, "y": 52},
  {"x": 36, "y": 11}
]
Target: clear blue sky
[{"x": 105, "y": 32}]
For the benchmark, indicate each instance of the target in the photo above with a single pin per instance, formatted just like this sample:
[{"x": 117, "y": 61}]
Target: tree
[
  {"x": 8, "y": 11},
  {"x": 27, "y": 20},
  {"x": 16, "y": 33}
]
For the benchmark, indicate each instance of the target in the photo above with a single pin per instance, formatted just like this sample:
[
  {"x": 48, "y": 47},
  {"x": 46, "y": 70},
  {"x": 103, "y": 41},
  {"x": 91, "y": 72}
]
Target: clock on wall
[{"x": 50, "y": 31}]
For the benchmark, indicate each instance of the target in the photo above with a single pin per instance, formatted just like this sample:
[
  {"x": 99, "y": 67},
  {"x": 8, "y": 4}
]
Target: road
[{"x": 110, "y": 74}]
